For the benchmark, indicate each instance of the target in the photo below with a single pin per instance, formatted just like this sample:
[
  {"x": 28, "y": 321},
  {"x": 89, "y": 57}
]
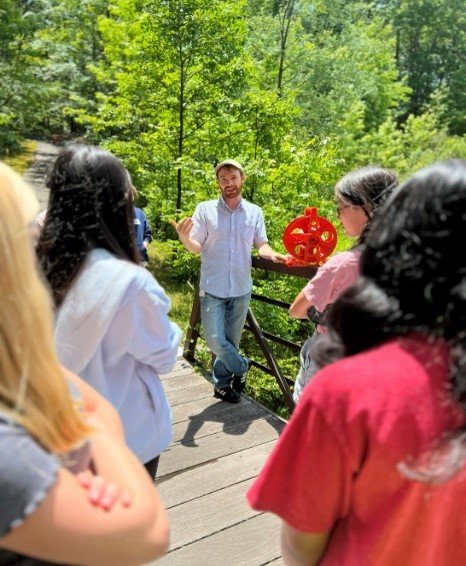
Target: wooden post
[
  {"x": 272, "y": 362},
  {"x": 193, "y": 331}
]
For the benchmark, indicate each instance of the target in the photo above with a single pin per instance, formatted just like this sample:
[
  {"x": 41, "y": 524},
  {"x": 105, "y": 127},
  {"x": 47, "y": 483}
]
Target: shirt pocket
[
  {"x": 247, "y": 233},
  {"x": 215, "y": 231}
]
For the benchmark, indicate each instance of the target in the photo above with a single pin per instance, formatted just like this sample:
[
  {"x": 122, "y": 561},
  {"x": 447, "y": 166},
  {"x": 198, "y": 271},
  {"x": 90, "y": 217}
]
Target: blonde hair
[{"x": 32, "y": 388}]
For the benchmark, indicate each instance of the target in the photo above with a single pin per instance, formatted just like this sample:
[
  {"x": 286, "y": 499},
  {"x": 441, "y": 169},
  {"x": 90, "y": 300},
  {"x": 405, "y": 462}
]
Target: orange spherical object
[{"x": 310, "y": 239}]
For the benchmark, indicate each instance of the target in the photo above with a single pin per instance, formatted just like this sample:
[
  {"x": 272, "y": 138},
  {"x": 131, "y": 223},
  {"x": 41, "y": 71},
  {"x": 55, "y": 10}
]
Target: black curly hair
[{"x": 413, "y": 276}]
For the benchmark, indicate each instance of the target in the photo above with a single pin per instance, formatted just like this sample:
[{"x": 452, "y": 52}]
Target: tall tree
[
  {"x": 431, "y": 54},
  {"x": 175, "y": 70},
  {"x": 20, "y": 88},
  {"x": 70, "y": 46}
]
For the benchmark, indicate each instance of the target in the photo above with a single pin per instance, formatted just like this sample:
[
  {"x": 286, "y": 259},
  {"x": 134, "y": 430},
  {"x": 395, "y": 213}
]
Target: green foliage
[
  {"x": 431, "y": 54},
  {"x": 19, "y": 87},
  {"x": 169, "y": 89},
  {"x": 351, "y": 80},
  {"x": 20, "y": 161},
  {"x": 299, "y": 91},
  {"x": 180, "y": 291},
  {"x": 419, "y": 141},
  {"x": 69, "y": 45}
]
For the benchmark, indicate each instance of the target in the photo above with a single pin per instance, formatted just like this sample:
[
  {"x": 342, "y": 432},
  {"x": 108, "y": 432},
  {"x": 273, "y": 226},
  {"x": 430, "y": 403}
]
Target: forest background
[{"x": 299, "y": 91}]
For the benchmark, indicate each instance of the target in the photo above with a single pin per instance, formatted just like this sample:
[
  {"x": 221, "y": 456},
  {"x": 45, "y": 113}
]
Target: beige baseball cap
[{"x": 230, "y": 163}]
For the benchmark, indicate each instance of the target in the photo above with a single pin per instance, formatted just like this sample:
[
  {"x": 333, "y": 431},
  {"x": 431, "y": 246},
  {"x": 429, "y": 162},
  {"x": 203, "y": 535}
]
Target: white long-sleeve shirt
[{"x": 113, "y": 330}]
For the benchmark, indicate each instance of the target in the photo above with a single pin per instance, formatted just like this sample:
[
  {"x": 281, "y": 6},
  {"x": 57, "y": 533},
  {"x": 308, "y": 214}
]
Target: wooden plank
[
  {"x": 180, "y": 369},
  {"x": 178, "y": 457},
  {"x": 209, "y": 514},
  {"x": 184, "y": 411},
  {"x": 213, "y": 475},
  {"x": 198, "y": 391},
  {"x": 184, "y": 381},
  {"x": 306, "y": 271},
  {"x": 214, "y": 419},
  {"x": 254, "y": 542},
  {"x": 173, "y": 375},
  {"x": 217, "y": 451}
]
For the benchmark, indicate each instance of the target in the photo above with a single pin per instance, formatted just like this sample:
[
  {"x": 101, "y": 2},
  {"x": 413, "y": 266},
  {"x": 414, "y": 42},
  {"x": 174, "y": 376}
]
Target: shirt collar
[{"x": 223, "y": 204}]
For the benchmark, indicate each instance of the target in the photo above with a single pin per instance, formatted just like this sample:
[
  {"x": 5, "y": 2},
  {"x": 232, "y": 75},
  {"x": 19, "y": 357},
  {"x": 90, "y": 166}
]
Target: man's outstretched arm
[{"x": 266, "y": 252}]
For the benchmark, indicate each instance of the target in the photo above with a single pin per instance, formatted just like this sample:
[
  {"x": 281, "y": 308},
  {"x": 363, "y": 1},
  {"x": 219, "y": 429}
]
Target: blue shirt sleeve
[
  {"x": 260, "y": 235},
  {"x": 27, "y": 473},
  {"x": 147, "y": 230},
  {"x": 199, "y": 230}
]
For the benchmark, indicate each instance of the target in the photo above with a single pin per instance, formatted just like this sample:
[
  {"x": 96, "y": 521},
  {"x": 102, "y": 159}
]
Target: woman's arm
[
  {"x": 155, "y": 338},
  {"x": 100, "y": 491},
  {"x": 67, "y": 528},
  {"x": 298, "y": 308},
  {"x": 301, "y": 549}
]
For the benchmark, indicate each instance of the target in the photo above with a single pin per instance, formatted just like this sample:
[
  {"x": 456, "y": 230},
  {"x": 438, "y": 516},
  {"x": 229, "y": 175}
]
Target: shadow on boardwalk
[{"x": 216, "y": 452}]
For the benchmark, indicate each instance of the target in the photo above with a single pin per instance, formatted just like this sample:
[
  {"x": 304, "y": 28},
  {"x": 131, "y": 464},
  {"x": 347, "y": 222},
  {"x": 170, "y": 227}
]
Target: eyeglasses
[{"x": 340, "y": 209}]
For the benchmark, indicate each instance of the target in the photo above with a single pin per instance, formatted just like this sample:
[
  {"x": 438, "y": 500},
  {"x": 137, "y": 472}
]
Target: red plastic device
[{"x": 310, "y": 239}]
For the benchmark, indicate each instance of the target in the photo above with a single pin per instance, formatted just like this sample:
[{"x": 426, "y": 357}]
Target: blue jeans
[{"x": 222, "y": 324}]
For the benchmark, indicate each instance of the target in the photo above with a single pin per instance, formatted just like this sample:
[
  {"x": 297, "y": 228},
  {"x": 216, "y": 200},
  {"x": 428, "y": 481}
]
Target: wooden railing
[{"x": 262, "y": 337}]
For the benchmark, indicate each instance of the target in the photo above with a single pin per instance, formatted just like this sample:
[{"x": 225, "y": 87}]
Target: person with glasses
[
  {"x": 371, "y": 468},
  {"x": 358, "y": 194}
]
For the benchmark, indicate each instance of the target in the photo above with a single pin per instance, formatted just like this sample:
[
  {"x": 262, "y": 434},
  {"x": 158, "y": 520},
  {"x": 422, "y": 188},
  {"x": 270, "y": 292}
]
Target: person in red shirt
[{"x": 371, "y": 469}]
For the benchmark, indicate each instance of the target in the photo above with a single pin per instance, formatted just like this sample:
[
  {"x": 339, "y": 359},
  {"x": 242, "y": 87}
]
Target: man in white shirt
[{"x": 223, "y": 231}]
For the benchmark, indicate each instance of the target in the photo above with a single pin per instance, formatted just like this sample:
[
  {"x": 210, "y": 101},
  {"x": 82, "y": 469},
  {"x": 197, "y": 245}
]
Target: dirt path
[{"x": 35, "y": 175}]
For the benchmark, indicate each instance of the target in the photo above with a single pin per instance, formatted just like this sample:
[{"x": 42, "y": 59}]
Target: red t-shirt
[{"x": 336, "y": 465}]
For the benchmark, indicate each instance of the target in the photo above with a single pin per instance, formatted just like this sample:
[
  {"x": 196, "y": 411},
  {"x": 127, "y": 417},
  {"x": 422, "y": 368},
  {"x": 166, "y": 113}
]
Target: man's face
[{"x": 230, "y": 180}]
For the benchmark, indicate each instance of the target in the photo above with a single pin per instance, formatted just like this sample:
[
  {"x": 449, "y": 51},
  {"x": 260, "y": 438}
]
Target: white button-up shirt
[{"x": 227, "y": 237}]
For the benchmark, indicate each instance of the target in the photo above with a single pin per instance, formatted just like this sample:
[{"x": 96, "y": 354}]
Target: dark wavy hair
[
  {"x": 90, "y": 207},
  {"x": 413, "y": 274},
  {"x": 367, "y": 187}
]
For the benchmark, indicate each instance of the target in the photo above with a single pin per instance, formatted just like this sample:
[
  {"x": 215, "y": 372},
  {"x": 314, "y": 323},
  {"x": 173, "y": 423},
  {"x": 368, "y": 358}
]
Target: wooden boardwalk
[{"x": 216, "y": 452}]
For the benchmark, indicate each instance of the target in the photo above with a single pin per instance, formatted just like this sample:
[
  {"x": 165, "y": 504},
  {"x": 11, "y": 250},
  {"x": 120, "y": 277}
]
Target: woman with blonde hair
[{"x": 52, "y": 427}]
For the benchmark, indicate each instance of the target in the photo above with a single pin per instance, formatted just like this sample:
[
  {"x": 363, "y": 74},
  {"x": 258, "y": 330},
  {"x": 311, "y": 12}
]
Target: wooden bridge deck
[{"x": 216, "y": 452}]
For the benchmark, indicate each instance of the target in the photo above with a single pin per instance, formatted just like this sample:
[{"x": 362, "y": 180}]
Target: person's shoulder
[
  {"x": 362, "y": 362},
  {"x": 378, "y": 371},
  {"x": 140, "y": 214},
  {"x": 251, "y": 207},
  {"x": 207, "y": 205},
  {"x": 28, "y": 471},
  {"x": 342, "y": 260},
  {"x": 126, "y": 273},
  {"x": 347, "y": 257},
  {"x": 145, "y": 284}
]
